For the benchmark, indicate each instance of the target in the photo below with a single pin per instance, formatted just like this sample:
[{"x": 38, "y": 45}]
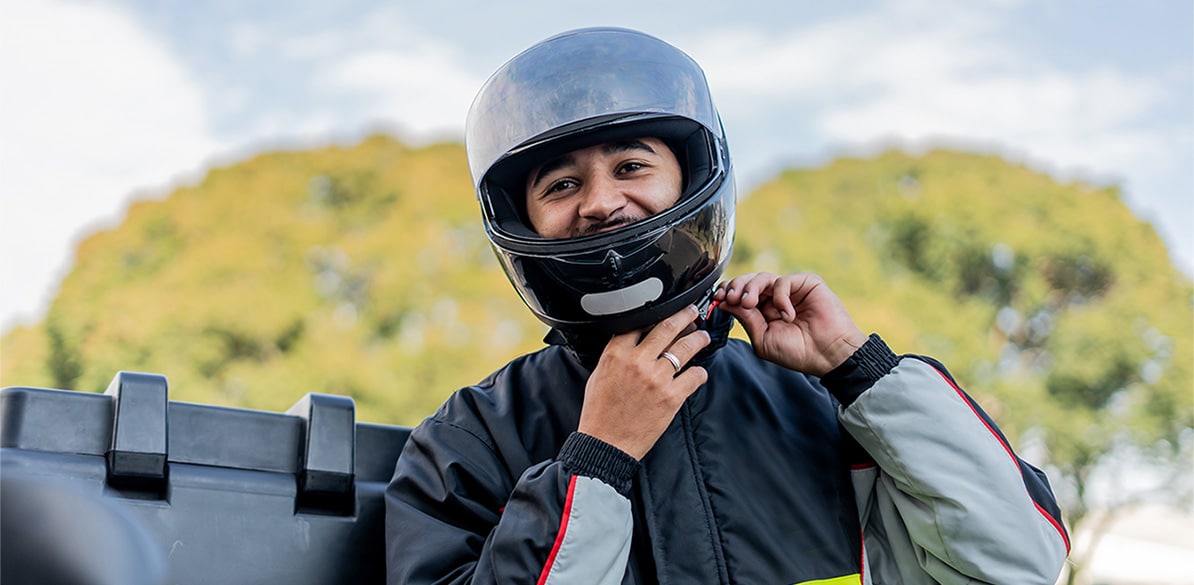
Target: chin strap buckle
[{"x": 705, "y": 306}]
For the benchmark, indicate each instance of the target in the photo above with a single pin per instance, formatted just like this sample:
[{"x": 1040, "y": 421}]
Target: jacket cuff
[
  {"x": 591, "y": 457},
  {"x": 860, "y": 371}
]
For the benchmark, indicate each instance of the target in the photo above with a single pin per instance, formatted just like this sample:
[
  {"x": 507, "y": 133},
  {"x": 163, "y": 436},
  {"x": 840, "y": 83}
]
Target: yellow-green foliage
[
  {"x": 361, "y": 271},
  {"x": 1051, "y": 303},
  {"x": 364, "y": 271}
]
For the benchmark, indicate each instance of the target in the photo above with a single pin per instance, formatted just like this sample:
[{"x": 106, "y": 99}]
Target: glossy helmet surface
[{"x": 587, "y": 87}]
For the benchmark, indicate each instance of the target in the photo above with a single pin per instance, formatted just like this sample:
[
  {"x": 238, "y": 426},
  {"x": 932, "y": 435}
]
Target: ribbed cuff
[
  {"x": 591, "y": 457},
  {"x": 860, "y": 371}
]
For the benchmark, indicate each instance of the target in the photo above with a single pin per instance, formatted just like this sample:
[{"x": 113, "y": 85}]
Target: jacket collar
[{"x": 587, "y": 348}]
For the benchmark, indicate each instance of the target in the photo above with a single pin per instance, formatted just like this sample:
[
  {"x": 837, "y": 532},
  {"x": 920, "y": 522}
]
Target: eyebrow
[
  {"x": 551, "y": 166},
  {"x": 608, "y": 148}
]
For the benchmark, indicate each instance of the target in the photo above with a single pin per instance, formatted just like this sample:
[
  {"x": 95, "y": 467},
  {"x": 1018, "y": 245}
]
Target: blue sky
[{"x": 105, "y": 102}]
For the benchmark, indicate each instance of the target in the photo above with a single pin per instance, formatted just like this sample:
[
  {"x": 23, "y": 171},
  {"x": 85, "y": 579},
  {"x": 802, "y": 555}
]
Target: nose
[{"x": 601, "y": 199}]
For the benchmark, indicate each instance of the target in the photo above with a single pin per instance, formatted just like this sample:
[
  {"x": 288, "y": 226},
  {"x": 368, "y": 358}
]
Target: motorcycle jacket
[{"x": 882, "y": 472}]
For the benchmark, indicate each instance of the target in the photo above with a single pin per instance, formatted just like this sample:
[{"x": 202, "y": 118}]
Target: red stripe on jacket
[
  {"x": 555, "y": 549},
  {"x": 1007, "y": 448}
]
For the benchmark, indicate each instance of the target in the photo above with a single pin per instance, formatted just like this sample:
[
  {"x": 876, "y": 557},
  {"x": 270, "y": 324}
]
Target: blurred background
[{"x": 263, "y": 199}]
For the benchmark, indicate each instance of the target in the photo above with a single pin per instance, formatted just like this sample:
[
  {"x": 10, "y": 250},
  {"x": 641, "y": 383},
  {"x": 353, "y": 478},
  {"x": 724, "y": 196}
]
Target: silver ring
[{"x": 675, "y": 361}]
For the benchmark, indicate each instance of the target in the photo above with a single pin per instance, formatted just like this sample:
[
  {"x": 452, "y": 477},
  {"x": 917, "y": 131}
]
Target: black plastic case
[{"x": 226, "y": 495}]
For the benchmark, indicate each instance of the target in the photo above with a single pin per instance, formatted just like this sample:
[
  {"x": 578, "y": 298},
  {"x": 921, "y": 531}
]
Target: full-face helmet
[{"x": 588, "y": 87}]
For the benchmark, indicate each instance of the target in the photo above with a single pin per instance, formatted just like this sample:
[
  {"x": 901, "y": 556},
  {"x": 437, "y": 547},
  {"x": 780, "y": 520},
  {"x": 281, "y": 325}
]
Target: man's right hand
[{"x": 635, "y": 392}]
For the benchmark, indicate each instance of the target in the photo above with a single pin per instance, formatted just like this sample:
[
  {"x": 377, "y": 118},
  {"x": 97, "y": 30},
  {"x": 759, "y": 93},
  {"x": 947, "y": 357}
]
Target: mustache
[{"x": 610, "y": 224}]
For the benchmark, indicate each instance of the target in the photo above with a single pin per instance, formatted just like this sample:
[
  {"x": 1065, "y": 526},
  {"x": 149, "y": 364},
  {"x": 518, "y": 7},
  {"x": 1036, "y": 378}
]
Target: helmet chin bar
[
  {"x": 633, "y": 283},
  {"x": 650, "y": 315}
]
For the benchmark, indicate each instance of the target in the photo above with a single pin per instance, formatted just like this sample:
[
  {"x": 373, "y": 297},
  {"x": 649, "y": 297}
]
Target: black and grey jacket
[{"x": 884, "y": 472}]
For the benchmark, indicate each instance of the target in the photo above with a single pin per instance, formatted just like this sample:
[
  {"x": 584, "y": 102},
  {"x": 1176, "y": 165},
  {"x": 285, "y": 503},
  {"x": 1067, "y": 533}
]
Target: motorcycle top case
[{"x": 130, "y": 487}]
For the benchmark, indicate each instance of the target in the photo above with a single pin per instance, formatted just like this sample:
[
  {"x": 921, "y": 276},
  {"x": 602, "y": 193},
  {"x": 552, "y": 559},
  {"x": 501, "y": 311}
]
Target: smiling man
[
  {"x": 602, "y": 187},
  {"x": 646, "y": 446}
]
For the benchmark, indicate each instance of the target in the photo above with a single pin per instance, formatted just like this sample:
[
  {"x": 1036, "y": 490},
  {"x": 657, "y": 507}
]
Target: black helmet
[{"x": 587, "y": 87}]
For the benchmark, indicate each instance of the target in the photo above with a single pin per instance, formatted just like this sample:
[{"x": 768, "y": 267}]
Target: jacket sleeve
[
  {"x": 946, "y": 500},
  {"x": 455, "y": 515}
]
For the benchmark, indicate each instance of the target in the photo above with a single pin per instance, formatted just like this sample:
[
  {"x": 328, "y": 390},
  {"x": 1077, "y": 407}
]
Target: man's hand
[
  {"x": 635, "y": 392},
  {"x": 793, "y": 320}
]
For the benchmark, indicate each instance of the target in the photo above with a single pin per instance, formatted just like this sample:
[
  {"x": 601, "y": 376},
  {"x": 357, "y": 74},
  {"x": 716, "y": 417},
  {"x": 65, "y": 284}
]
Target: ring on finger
[{"x": 672, "y": 359}]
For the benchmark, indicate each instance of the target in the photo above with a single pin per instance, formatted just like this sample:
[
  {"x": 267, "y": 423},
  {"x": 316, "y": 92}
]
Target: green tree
[
  {"x": 63, "y": 361},
  {"x": 1051, "y": 303},
  {"x": 361, "y": 271}
]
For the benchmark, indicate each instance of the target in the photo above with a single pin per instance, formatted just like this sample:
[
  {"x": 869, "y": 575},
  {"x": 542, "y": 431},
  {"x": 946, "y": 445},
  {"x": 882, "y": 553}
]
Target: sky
[{"x": 107, "y": 102}]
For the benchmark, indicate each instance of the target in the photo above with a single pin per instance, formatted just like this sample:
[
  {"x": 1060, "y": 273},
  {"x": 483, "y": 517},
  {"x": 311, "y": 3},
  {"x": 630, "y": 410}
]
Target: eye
[
  {"x": 560, "y": 185},
  {"x": 630, "y": 167}
]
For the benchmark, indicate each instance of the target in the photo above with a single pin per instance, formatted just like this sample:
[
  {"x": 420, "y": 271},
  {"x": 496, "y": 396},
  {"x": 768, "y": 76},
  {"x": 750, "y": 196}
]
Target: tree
[{"x": 1053, "y": 305}]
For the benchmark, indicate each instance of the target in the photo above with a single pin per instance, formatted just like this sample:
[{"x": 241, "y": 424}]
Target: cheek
[
  {"x": 665, "y": 194},
  {"x": 535, "y": 216},
  {"x": 548, "y": 221}
]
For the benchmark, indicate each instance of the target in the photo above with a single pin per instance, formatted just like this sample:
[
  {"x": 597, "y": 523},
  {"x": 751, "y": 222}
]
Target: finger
[
  {"x": 781, "y": 298},
  {"x": 686, "y": 347},
  {"x": 625, "y": 341},
  {"x": 805, "y": 288},
  {"x": 690, "y": 379},
  {"x": 666, "y": 331},
  {"x": 805, "y": 283},
  {"x": 719, "y": 291},
  {"x": 770, "y": 311},
  {"x": 756, "y": 289},
  {"x": 732, "y": 290},
  {"x": 752, "y": 320}
]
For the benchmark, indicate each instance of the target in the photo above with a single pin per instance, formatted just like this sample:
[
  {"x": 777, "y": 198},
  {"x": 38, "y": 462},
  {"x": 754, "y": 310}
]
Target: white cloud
[
  {"x": 247, "y": 40},
  {"x": 898, "y": 44},
  {"x": 92, "y": 109},
  {"x": 421, "y": 89},
  {"x": 1083, "y": 120},
  {"x": 312, "y": 46},
  {"x": 373, "y": 71},
  {"x": 906, "y": 74},
  {"x": 895, "y": 72}
]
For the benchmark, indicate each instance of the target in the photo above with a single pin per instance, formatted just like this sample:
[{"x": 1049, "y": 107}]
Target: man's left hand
[{"x": 793, "y": 320}]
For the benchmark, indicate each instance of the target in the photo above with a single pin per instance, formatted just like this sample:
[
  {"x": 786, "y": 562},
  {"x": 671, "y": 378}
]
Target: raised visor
[{"x": 222, "y": 495}]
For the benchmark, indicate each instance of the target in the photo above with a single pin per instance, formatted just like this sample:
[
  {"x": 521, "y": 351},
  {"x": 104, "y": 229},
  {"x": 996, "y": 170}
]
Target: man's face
[{"x": 602, "y": 187}]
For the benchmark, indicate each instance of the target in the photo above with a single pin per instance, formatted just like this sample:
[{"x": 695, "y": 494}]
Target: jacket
[{"x": 882, "y": 472}]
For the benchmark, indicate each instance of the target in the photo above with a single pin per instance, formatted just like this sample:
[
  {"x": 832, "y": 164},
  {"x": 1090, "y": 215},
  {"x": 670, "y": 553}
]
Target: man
[{"x": 643, "y": 445}]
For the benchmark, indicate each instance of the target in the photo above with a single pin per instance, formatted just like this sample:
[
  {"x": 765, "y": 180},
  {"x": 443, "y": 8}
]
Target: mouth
[{"x": 607, "y": 226}]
